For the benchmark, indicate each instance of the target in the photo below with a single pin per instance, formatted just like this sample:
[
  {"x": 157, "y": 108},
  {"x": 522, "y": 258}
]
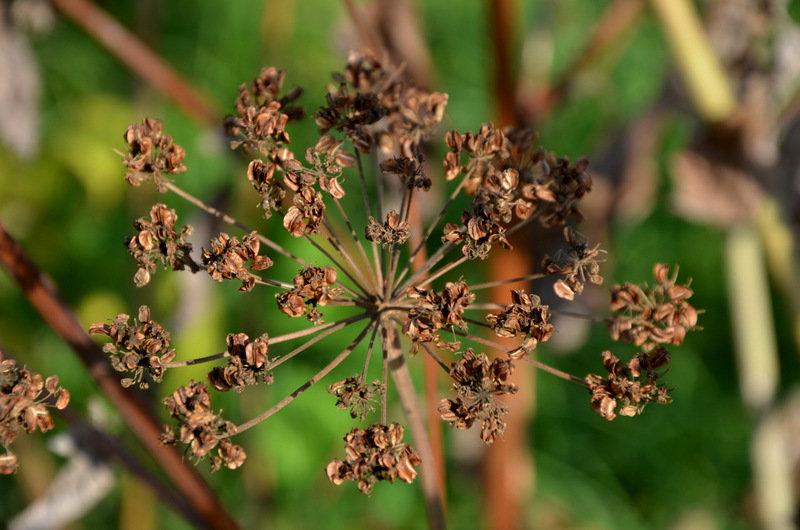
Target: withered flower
[
  {"x": 314, "y": 286},
  {"x": 248, "y": 363},
  {"x": 142, "y": 350},
  {"x": 648, "y": 317},
  {"x": 158, "y": 241},
  {"x": 227, "y": 257},
  {"x": 436, "y": 310},
  {"x": 577, "y": 264},
  {"x": 478, "y": 384},
  {"x": 200, "y": 428},
  {"x": 356, "y": 395},
  {"x": 151, "y": 155},
  {"x": 374, "y": 454},
  {"x": 392, "y": 232},
  {"x": 524, "y": 316},
  {"x": 631, "y": 387},
  {"x": 24, "y": 399}
]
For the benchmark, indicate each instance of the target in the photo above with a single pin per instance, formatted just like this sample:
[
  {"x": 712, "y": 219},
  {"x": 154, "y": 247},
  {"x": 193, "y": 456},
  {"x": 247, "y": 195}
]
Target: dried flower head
[
  {"x": 24, "y": 400},
  {"x": 630, "y": 387},
  {"x": 142, "y": 350},
  {"x": 479, "y": 384},
  {"x": 648, "y": 317},
  {"x": 374, "y": 454},
  {"x": 200, "y": 428},
  {"x": 157, "y": 240},
  {"x": 151, "y": 155},
  {"x": 400, "y": 292}
]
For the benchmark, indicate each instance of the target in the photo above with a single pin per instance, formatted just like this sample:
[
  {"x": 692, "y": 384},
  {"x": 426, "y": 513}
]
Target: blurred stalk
[
  {"x": 780, "y": 252},
  {"x": 140, "y": 59},
  {"x": 508, "y": 464},
  {"x": 705, "y": 80},
  {"x": 751, "y": 317}
]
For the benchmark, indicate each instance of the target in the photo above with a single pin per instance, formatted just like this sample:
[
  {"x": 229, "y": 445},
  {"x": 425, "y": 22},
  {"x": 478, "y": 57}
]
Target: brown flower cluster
[
  {"x": 151, "y": 155},
  {"x": 478, "y": 384},
  {"x": 313, "y": 286},
  {"x": 435, "y": 310},
  {"x": 248, "y": 363},
  {"x": 158, "y": 241},
  {"x": 372, "y": 105},
  {"x": 374, "y": 454},
  {"x": 578, "y": 264},
  {"x": 392, "y": 232},
  {"x": 648, "y": 317},
  {"x": 261, "y": 116},
  {"x": 24, "y": 398},
  {"x": 226, "y": 259},
  {"x": 526, "y": 316},
  {"x": 509, "y": 176},
  {"x": 200, "y": 428},
  {"x": 410, "y": 170},
  {"x": 355, "y": 394},
  {"x": 631, "y": 387},
  {"x": 143, "y": 349}
]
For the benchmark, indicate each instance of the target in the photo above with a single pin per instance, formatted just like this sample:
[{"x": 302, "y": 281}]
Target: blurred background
[{"x": 688, "y": 113}]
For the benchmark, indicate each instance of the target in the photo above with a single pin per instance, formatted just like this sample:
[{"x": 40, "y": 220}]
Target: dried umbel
[
  {"x": 151, "y": 155},
  {"x": 374, "y": 454},
  {"x": 24, "y": 400},
  {"x": 200, "y": 428},
  {"x": 141, "y": 350},
  {"x": 372, "y": 270}
]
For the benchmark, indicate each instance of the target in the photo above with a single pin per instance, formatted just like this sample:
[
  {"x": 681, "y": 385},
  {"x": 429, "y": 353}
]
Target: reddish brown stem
[
  {"x": 140, "y": 59},
  {"x": 43, "y": 296}
]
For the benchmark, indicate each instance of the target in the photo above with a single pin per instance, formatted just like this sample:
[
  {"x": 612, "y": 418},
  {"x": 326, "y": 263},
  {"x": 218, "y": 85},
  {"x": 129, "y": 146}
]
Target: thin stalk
[
  {"x": 405, "y": 208},
  {"x": 484, "y": 307},
  {"x": 341, "y": 267},
  {"x": 408, "y": 397},
  {"x": 199, "y": 360},
  {"x": 428, "y": 265},
  {"x": 436, "y": 358},
  {"x": 302, "y": 388},
  {"x": 368, "y": 206},
  {"x": 488, "y": 285},
  {"x": 357, "y": 242},
  {"x": 430, "y": 230},
  {"x": 556, "y": 372},
  {"x": 337, "y": 244},
  {"x": 369, "y": 356},
  {"x": 316, "y": 329},
  {"x": 310, "y": 342},
  {"x": 582, "y": 316},
  {"x": 442, "y": 271}
]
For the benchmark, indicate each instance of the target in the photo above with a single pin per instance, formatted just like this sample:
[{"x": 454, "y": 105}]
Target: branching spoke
[
  {"x": 489, "y": 285},
  {"x": 369, "y": 356},
  {"x": 302, "y": 388},
  {"x": 442, "y": 271},
  {"x": 337, "y": 243},
  {"x": 556, "y": 372},
  {"x": 428, "y": 265},
  {"x": 307, "y": 344},
  {"x": 484, "y": 307},
  {"x": 357, "y": 243},
  {"x": 199, "y": 360},
  {"x": 582, "y": 316},
  {"x": 436, "y": 358},
  {"x": 231, "y": 221},
  {"x": 340, "y": 267},
  {"x": 315, "y": 329}
]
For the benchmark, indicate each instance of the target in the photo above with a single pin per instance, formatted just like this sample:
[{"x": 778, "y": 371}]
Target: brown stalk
[
  {"x": 408, "y": 397},
  {"x": 140, "y": 59},
  {"x": 43, "y": 296}
]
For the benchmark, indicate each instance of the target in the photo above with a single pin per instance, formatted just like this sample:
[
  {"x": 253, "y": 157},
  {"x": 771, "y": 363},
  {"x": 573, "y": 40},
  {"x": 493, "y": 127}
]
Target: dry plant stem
[
  {"x": 190, "y": 362},
  {"x": 428, "y": 265},
  {"x": 497, "y": 283},
  {"x": 582, "y": 316},
  {"x": 316, "y": 329},
  {"x": 429, "y": 231},
  {"x": 556, "y": 372},
  {"x": 436, "y": 358},
  {"x": 134, "y": 54},
  {"x": 368, "y": 210},
  {"x": 357, "y": 243},
  {"x": 369, "y": 355},
  {"x": 444, "y": 270},
  {"x": 311, "y": 342},
  {"x": 302, "y": 388},
  {"x": 113, "y": 449},
  {"x": 408, "y": 397},
  {"x": 42, "y": 295},
  {"x": 338, "y": 265}
]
